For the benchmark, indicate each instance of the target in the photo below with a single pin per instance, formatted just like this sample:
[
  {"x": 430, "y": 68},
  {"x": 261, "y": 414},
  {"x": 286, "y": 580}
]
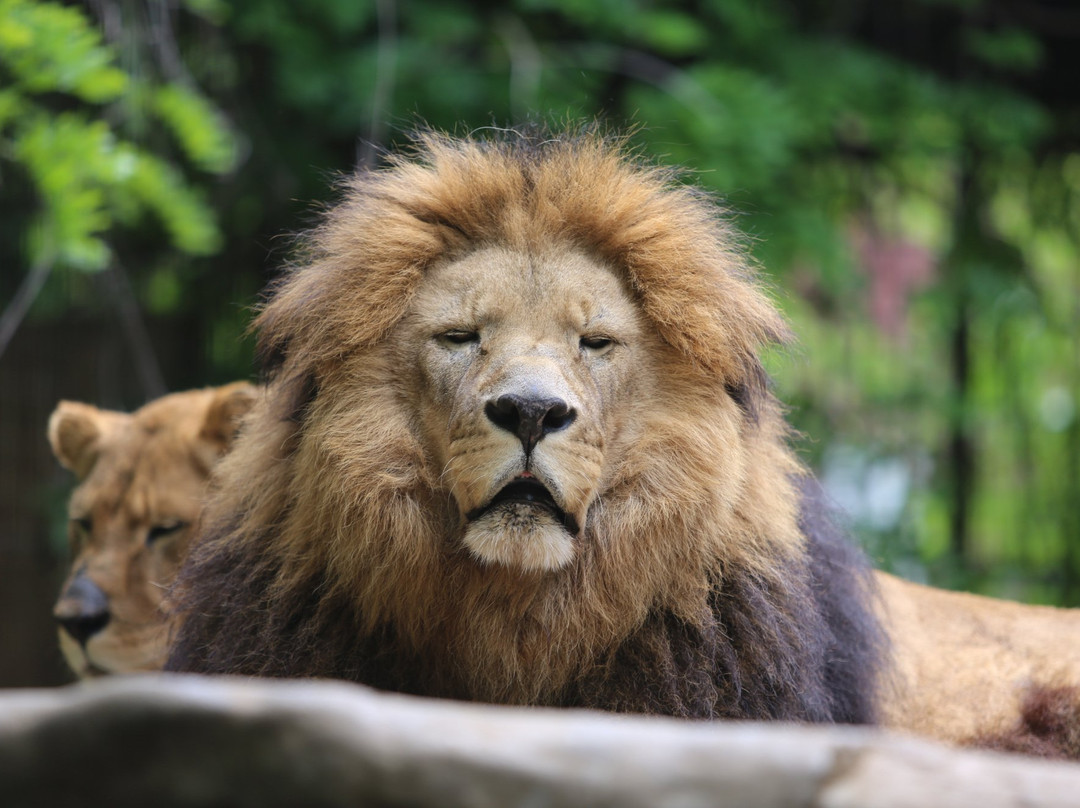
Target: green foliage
[
  {"x": 211, "y": 10},
  {"x": 904, "y": 177},
  {"x": 1009, "y": 49},
  {"x": 669, "y": 33},
  {"x": 200, "y": 130},
  {"x": 47, "y": 47},
  {"x": 72, "y": 161},
  {"x": 88, "y": 178}
]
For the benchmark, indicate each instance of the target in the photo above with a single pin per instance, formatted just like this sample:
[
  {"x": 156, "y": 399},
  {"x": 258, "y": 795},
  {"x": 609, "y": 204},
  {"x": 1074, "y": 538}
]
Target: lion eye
[
  {"x": 164, "y": 530},
  {"x": 458, "y": 337},
  {"x": 597, "y": 345}
]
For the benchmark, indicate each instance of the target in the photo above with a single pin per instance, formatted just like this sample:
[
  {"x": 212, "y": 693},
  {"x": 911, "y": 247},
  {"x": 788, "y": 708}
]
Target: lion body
[
  {"x": 643, "y": 549},
  {"x": 965, "y": 665},
  {"x": 142, "y": 479}
]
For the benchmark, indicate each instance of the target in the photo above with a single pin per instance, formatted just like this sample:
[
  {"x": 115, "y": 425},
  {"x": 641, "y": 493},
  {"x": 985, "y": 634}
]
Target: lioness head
[{"x": 142, "y": 479}]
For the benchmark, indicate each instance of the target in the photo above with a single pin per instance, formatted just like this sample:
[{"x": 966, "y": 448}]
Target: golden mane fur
[{"x": 695, "y": 585}]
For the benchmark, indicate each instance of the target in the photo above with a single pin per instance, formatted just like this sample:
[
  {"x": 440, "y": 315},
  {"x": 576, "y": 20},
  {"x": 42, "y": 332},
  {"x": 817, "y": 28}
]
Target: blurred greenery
[
  {"x": 62, "y": 93},
  {"x": 909, "y": 173}
]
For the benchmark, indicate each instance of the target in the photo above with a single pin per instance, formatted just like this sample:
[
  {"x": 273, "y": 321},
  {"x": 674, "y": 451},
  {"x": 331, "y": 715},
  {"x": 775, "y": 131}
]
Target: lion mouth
[{"x": 531, "y": 492}]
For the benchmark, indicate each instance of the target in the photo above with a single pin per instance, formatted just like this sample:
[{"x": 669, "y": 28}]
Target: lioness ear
[
  {"x": 75, "y": 434},
  {"x": 228, "y": 408}
]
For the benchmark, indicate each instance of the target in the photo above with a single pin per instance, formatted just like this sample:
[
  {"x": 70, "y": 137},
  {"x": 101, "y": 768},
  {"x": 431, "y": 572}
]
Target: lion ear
[
  {"x": 76, "y": 432},
  {"x": 227, "y": 409}
]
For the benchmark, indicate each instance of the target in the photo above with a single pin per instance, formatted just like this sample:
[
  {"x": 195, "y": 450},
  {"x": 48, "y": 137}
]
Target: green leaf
[
  {"x": 215, "y": 11},
  {"x": 184, "y": 214},
  {"x": 670, "y": 33},
  {"x": 66, "y": 158},
  {"x": 48, "y": 47},
  {"x": 200, "y": 130},
  {"x": 1007, "y": 49},
  {"x": 163, "y": 290},
  {"x": 12, "y": 105}
]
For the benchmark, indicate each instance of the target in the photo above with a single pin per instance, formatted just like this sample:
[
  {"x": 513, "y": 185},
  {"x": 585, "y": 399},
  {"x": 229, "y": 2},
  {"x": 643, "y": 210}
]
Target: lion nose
[
  {"x": 83, "y": 609},
  {"x": 531, "y": 419}
]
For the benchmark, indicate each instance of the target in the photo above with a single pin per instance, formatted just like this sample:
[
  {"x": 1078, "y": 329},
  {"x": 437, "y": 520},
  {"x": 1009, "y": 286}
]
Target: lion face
[
  {"x": 143, "y": 478},
  {"x": 522, "y": 363}
]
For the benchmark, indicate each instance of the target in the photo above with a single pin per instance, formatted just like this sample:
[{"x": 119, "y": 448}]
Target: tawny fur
[
  {"x": 966, "y": 666},
  {"x": 1048, "y": 727},
  {"x": 137, "y": 472},
  {"x": 704, "y": 581}
]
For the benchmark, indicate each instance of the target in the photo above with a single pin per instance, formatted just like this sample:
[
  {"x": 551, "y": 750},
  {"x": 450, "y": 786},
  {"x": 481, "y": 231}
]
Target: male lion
[
  {"x": 142, "y": 481},
  {"x": 517, "y": 447}
]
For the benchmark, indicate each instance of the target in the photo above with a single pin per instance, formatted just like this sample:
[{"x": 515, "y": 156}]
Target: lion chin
[
  {"x": 519, "y": 536},
  {"x": 526, "y": 534},
  {"x": 522, "y": 527}
]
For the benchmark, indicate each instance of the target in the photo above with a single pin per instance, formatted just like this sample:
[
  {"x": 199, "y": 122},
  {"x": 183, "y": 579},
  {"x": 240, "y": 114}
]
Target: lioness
[{"x": 142, "y": 479}]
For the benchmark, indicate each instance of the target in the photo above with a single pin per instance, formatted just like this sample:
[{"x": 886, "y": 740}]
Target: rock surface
[{"x": 168, "y": 741}]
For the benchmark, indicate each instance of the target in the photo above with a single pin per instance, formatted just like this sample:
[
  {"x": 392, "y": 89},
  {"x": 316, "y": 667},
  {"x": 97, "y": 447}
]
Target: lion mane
[{"x": 703, "y": 577}]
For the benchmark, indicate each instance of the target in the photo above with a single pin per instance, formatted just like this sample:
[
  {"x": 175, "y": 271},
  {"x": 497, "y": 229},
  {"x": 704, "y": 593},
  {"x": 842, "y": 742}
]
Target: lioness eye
[
  {"x": 79, "y": 534},
  {"x": 597, "y": 344},
  {"x": 458, "y": 337},
  {"x": 163, "y": 530},
  {"x": 80, "y": 530}
]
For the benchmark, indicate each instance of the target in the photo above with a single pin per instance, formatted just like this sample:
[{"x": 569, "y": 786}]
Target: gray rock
[{"x": 165, "y": 741}]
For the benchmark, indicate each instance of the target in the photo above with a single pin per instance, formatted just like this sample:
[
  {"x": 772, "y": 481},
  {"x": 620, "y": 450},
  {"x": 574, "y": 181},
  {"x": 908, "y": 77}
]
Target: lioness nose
[
  {"x": 83, "y": 609},
  {"x": 529, "y": 418}
]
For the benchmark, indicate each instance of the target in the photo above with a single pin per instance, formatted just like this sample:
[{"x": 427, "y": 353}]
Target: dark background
[{"x": 908, "y": 172}]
